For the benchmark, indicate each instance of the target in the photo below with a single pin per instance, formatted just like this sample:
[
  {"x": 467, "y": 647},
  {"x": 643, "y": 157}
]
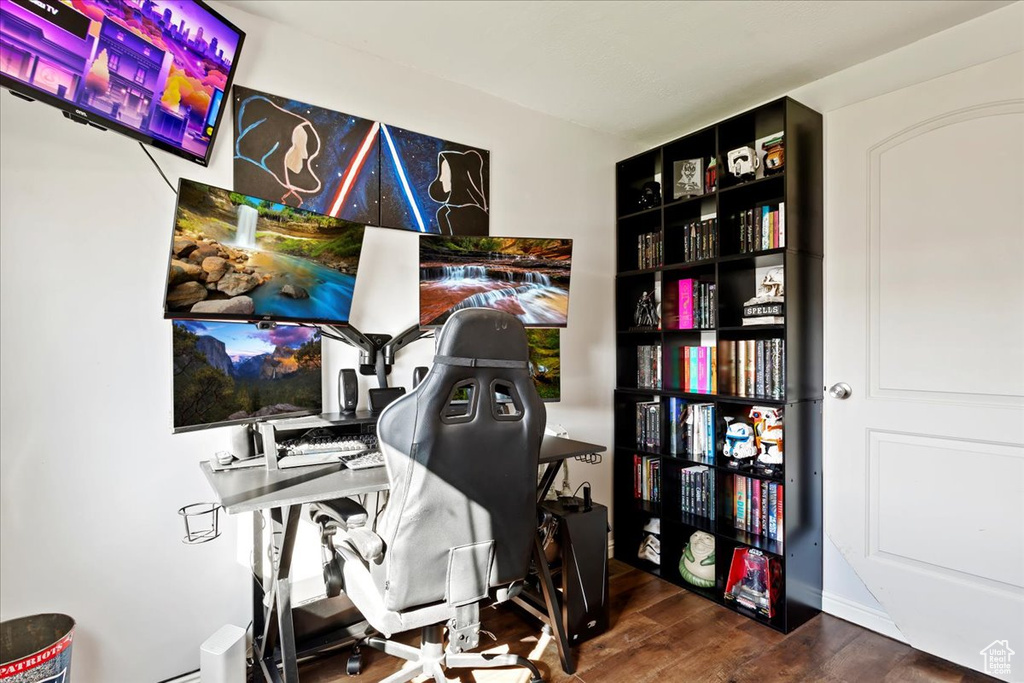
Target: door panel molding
[
  {"x": 997, "y": 551},
  {"x": 876, "y": 386}
]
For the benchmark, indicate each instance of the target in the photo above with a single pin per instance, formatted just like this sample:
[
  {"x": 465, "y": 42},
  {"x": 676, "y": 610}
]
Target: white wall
[{"x": 90, "y": 475}]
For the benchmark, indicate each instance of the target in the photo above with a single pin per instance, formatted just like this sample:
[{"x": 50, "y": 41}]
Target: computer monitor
[
  {"x": 242, "y": 258},
  {"x": 155, "y": 70},
  {"x": 545, "y": 362},
  {"x": 526, "y": 277},
  {"x": 235, "y": 373}
]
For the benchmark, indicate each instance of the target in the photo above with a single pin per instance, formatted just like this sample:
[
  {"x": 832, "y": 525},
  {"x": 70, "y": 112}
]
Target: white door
[{"x": 924, "y": 461}]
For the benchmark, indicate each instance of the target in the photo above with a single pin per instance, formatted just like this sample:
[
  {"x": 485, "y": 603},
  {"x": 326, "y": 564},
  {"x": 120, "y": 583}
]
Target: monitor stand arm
[{"x": 377, "y": 351}]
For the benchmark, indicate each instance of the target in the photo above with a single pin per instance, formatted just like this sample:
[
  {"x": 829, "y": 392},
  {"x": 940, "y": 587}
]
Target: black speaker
[
  {"x": 348, "y": 390},
  {"x": 418, "y": 373}
]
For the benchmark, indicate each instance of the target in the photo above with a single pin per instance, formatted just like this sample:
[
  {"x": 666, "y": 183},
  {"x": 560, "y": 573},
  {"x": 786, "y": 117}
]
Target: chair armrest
[
  {"x": 369, "y": 545},
  {"x": 341, "y": 513}
]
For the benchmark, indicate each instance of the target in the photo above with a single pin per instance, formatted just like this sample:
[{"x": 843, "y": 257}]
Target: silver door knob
[{"x": 841, "y": 390}]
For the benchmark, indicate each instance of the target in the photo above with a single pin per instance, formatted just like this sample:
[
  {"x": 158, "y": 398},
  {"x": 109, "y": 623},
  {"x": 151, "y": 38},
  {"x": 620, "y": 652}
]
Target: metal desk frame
[{"x": 283, "y": 492}]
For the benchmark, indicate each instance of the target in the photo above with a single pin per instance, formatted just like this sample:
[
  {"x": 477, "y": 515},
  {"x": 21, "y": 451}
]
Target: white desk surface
[{"x": 256, "y": 488}]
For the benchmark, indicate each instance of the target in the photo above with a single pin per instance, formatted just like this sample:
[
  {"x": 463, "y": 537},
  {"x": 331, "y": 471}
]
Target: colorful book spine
[
  {"x": 694, "y": 370},
  {"x": 780, "y": 524},
  {"x": 773, "y": 501},
  {"x": 702, "y": 369},
  {"x": 782, "y": 224},
  {"x": 755, "y": 504},
  {"x": 741, "y": 502},
  {"x": 686, "y": 297}
]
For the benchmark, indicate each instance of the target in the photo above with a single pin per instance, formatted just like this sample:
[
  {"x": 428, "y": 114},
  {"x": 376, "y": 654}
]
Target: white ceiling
[{"x": 646, "y": 71}]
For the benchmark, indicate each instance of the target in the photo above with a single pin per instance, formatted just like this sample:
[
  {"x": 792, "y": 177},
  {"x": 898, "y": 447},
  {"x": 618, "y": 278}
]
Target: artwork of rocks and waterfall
[
  {"x": 528, "y": 278},
  {"x": 229, "y": 372},
  {"x": 238, "y": 257}
]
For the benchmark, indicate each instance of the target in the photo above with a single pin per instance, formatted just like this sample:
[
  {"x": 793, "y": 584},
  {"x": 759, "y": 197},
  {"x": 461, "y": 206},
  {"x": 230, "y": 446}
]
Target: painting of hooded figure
[
  {"x": 305, "y": 156},
  {"x": 432, "y": 185}
]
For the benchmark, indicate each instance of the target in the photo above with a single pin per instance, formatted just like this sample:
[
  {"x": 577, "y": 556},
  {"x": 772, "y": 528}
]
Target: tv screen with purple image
[{"x": 155, "y": 70}]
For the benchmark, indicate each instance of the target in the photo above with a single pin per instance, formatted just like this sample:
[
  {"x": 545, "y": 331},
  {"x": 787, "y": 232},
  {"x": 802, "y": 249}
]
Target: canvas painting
[
  {"x": 306, "y": 157},
  {"x": 432, "y": 185}
]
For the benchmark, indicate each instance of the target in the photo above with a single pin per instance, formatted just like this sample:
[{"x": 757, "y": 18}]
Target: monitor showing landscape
[
  {"x": 545, "y": 362},
  {"x": 526, "y": 277},
  {"x": 156, "y": 70},
  {"x": 235, "y": 257},
  {"x": 230, "y": 373}
]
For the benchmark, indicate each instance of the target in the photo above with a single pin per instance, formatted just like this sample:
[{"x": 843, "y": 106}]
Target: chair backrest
[{"x": 461, "y": 517}]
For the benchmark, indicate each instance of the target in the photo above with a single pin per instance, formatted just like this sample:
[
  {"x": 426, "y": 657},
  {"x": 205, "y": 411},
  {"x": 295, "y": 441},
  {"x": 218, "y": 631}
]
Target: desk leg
[
  {"x": 258, "y": 615},
  {"x": 547, "y": 479},
  {"x": 554, "y": 613},
  {"x": 280, "y": 606}
]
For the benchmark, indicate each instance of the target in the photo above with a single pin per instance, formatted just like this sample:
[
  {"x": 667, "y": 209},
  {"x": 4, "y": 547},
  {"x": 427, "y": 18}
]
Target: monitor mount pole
[{"x": 376, "y": 351}]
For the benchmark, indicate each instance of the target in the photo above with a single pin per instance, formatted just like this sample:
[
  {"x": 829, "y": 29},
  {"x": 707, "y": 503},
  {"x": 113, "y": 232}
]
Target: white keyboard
[
  {"x": 336, "y": 445},
  {"x": 365, "y": 461}
]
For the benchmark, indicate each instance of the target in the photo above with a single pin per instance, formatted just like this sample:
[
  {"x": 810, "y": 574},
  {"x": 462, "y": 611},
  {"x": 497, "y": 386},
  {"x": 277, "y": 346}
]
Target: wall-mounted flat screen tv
[
  {"x": 155, "y": 70},
  {"x": 236, "y": 257},
  {"x": 232, "y": 373},
  {"x": 545, "y": 362},
  {"x": 526, "y": 277}
]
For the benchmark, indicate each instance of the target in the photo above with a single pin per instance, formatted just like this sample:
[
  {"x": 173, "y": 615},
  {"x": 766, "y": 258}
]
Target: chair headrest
[{"x": 485, "y": 334}]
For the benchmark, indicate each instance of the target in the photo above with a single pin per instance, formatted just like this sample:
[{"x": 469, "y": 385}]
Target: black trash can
[{"x": 36, "y": 649}]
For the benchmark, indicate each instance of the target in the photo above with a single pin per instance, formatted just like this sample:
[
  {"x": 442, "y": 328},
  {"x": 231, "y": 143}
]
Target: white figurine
[
  {"x": 772, "y": 288},
  {"x": 768, "y": 432}
]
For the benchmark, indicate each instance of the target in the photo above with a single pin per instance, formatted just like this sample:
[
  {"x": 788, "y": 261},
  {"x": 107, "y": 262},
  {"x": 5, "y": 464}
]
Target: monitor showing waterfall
[
  {"x": 236, "y": 257},
  {"x": 528, "y": 278}
]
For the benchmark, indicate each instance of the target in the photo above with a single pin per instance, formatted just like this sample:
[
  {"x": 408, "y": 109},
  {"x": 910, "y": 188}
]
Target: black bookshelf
[{"x": 799, "y": 186}]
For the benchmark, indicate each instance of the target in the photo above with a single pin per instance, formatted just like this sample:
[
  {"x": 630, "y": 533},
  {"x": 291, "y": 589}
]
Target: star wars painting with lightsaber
[
  {"x": 357, "y": 169},
  {"x": 306, "y": 156}
]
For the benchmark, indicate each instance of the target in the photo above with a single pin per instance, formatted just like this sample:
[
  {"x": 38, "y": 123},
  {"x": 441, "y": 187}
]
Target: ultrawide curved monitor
[
  {"x": 241, "y": 258},
  {"x": 154, "y": 70},
  {"x": 526, "y": 277}
]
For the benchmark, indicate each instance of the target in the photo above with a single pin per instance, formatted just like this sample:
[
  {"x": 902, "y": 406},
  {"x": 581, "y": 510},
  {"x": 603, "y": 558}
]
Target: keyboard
[
  {"x": 327, "y": 444},
  {"x": 365, "y": 461}
]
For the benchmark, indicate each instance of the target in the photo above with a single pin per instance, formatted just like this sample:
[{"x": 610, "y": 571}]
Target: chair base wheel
[{"x": 354, "y": 666}]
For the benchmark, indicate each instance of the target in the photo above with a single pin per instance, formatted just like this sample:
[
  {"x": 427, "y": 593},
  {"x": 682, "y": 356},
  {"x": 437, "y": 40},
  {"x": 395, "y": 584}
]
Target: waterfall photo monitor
[
  {"x": 236, "y": 257},
  {"x": 232, "y": 373},
  {"x": 154, "y": 70},
  {"x": 526, "y": 277}
]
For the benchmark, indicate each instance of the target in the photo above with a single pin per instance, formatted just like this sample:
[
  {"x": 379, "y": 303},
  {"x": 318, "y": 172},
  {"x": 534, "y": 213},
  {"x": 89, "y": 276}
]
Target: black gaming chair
[{"x": 461, "y": 455}]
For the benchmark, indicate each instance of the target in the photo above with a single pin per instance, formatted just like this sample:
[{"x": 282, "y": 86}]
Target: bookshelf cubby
[{"x": 734, "y": 263}]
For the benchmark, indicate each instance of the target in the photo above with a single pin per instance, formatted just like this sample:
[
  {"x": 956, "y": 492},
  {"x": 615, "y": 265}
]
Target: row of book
[
  {"x": 753, "y": 367},
  {"x": 762, "y": 227},
  {"x": 757, "y": 507},
  {"x": 698, "y": 369},
  {"x": 648, "y": 426},
  {"x": 649, "y": 250},
  {"x": 698, "y": 303},
  {"x": 698, "y": 491},
  {"x": 700, "y": 240},
  {"x": 691, "y": 430},
  {"x": 648, "y": 366},
  {"x": 647, "y": 478}
]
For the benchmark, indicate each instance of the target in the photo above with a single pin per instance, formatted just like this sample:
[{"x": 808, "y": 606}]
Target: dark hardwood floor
[{"x": 660, "y": 633}]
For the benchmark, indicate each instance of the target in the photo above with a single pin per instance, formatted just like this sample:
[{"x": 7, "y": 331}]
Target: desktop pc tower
[{"x": 580, "y": 566}]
